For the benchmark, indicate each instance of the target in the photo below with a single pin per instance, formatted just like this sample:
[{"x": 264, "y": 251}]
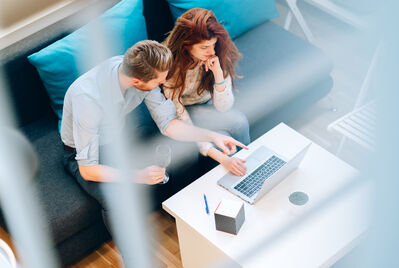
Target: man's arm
[
  {"x": 181, "y": 131},
  {"x": 164, "y": 114},
  {"x": 103, "y": 173},
  {"x": 98, "y": 173}
]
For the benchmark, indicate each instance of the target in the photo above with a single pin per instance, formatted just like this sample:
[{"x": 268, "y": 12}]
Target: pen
[{"x": 206, "y": 205}]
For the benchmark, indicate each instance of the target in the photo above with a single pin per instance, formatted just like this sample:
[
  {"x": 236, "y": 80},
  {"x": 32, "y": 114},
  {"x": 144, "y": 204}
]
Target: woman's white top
[{"x": 222, "y": 101}]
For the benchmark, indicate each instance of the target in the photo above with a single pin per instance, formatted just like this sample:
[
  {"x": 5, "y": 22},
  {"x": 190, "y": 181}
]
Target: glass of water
[{"x": 163, "y": 157}]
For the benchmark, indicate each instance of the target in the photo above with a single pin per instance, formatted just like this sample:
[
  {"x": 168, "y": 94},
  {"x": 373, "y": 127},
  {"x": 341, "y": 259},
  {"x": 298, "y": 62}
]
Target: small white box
[{"x": 229, "y": 216}]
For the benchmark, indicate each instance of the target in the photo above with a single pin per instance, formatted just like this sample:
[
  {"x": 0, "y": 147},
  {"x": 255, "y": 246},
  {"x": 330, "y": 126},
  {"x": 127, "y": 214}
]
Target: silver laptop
[{"x": 265, "y": 169}]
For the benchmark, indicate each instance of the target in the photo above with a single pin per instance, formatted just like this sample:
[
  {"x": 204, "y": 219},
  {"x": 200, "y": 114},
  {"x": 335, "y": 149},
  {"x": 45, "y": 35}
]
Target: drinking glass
[{"x": 163, "y": 156}]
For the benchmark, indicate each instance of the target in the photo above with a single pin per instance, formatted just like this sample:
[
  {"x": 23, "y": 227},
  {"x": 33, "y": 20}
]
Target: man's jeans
[{"x": 92, "y": 188}]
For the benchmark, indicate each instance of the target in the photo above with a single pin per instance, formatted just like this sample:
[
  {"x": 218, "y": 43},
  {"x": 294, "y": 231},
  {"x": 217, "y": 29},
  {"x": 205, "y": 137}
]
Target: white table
[{"x": 317, "y": 238}]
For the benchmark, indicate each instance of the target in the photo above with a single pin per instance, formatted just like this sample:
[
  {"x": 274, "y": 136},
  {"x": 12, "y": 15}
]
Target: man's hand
[
  {"x": 226, "y": 143},
  {"x": 235, "y": 166},
  {"x": 150, "y": 175}
]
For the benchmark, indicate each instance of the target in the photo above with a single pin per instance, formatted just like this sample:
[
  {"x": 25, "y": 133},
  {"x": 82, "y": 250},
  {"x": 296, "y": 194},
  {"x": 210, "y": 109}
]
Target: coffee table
[{"x": 277, "y": 233}]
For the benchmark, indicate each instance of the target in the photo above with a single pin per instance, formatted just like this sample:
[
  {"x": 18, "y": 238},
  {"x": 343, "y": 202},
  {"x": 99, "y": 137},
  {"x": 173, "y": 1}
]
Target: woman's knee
[
  {"x": 238, "y": 119},
  {"x": 242, "y": 118},
  {"x": 239, "y": 126}
]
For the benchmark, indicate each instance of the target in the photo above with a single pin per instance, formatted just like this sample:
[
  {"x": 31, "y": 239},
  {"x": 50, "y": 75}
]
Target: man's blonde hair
[{"x": 145, "y": 58}]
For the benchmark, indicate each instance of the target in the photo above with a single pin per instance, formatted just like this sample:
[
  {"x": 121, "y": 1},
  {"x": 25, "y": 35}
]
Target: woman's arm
[
  {"x": 224, "y": 100},
  {"x": 167, "y": 91}
]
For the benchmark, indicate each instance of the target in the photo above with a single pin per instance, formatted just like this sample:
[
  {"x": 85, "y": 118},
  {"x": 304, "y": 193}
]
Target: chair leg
[
  {"x": 301, "y": 21},
  {"x": 288, "y": 20},
  {"x": 340, "y": 146}
]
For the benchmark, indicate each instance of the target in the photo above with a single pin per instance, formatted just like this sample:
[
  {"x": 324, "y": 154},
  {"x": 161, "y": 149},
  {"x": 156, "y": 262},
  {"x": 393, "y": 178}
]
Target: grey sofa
[{"x": 282, "y": 75}]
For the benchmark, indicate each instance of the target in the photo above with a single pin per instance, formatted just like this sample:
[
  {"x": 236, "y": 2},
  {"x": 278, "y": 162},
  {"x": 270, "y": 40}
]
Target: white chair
[
  {"x": 294, "y": 11},
  {"x": 360, "y": 124},
  {"x": 358, "y": 20}
]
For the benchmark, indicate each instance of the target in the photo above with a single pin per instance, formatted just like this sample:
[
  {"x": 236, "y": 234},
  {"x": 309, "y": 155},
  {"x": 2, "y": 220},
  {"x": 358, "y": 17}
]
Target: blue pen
[{"x": 206, "y": 205}]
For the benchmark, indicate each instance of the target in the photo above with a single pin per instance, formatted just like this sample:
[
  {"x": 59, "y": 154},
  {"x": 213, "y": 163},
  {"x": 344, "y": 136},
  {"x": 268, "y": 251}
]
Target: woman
[{"x": 201, "y": 80}]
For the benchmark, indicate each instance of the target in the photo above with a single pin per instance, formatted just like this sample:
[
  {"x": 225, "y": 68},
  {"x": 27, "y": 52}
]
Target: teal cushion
[
  {"x": 237, "y": 16},
  {"x": 64, "y": 61}
]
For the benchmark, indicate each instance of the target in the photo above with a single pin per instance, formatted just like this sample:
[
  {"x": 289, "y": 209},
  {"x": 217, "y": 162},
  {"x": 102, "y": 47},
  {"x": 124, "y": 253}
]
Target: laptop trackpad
[
  {"x": 257, "y": 158},
  {"x": 252, "y": 163}
]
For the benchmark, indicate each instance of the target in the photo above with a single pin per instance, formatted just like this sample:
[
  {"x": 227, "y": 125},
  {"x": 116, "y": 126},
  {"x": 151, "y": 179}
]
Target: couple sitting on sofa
[{"x": 195, "y": 68}]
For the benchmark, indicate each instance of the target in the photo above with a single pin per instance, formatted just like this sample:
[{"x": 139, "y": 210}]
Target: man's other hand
[{"x": 150, "y": 175}]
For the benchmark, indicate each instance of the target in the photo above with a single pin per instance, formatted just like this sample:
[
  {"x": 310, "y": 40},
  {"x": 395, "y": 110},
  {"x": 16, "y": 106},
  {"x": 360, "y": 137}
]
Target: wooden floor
[
  {"x": 106, "y": 256},
  {"x": 348, "y": 73},
  {"x": 164, "y": 246}
]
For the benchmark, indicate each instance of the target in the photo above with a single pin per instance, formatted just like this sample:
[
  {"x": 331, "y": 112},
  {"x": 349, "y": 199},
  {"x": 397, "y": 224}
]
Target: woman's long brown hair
[{"x": 194, "y": 26}]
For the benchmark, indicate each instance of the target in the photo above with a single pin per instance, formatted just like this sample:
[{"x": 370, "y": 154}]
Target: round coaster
[{"x": 298, "y": 198}]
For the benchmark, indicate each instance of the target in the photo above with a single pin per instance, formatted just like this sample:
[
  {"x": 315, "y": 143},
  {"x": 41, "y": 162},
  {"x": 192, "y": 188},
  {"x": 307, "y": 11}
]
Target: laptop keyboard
[{"x": 252, "y": 184}]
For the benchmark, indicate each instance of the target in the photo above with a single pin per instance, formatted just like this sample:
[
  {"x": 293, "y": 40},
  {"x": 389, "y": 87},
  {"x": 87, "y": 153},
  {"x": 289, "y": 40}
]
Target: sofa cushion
[
  {"x": 112, "y": 34},
  {"x": 237, "y": 16},
  {"x": 68, "y": 209},
  {"x": 277, "y": 67}
]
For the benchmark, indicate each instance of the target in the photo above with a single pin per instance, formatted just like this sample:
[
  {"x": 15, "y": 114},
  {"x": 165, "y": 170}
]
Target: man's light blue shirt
[{"x": 95, "y": 109}]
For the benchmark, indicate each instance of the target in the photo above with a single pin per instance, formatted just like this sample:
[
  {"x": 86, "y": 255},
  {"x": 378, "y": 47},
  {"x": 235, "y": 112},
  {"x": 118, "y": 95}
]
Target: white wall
[{"x": 11, "y": 33}]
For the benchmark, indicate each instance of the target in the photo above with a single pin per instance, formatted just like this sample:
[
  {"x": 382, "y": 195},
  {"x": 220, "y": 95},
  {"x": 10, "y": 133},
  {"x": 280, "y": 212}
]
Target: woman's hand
[
  {"x": 235, "y": 165},
  {"x": 213, "y": 64}
]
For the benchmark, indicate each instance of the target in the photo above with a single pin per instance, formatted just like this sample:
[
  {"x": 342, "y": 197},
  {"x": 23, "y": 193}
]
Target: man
[{"x": 119, "y": 85}]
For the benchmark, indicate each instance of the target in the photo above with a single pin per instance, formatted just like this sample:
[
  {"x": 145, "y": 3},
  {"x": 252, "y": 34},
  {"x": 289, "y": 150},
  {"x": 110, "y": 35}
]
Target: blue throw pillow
[
  {"x": 110, "y": 34},
  {"x": 237, "y": 16}
]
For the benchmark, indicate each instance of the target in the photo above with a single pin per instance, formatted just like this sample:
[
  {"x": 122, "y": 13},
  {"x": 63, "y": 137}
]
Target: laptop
[{"x": 265, "y": 169}]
